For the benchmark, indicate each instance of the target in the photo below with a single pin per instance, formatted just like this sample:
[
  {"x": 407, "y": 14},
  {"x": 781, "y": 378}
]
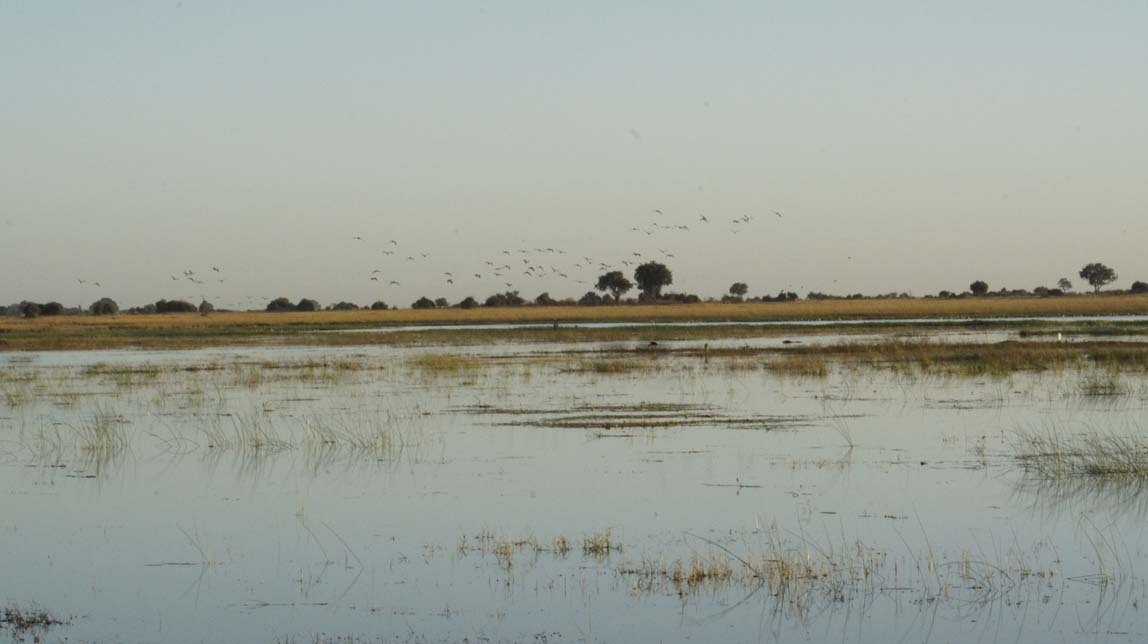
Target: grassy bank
[{"x": 240, "y": 328}]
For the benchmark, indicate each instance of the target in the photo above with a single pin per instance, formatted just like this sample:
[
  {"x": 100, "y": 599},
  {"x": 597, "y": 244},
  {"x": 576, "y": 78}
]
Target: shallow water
[{"x": 177, "y": 535}]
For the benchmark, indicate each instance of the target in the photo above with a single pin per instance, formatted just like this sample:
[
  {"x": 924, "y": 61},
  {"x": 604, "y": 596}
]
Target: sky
[{"x": 873, "y": 147}]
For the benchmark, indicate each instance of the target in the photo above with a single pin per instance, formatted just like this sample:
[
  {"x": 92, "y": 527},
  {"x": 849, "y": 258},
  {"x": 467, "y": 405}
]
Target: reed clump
[
  {"x": 445, "y": 364},
  {"x": 1055, "y": 454},
  {"x": 23, "y": 619}
]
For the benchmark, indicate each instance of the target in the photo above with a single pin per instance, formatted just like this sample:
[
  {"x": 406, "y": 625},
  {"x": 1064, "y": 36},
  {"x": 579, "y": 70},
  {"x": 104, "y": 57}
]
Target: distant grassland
[{"x": 187, "y": 330}]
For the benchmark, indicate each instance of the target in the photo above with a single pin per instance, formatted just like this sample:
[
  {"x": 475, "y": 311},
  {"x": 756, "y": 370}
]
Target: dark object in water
[
  {"x": 652, "y": 344},
  {"x": 791, "y": 341}
]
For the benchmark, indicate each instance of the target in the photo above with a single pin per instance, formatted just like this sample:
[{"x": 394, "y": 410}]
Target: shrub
[
  {"x": 344, "y": 306},
  {"x": 468, "y": 303},
  {"x": 52, "y": 308},
  {"x": 307, "y": 305},
  {"x": 280, "y": 304},
  {"x": 979, "y": 287},
  {"x": 30, "y": 309},
  {"x": 206, "y": 307},
  {"x": 441, "y": 302},
  {"x": 104, "y": 306},
  {"x": 175, "y": 306},
  {"x": 590, "y": 299},
  {"x": 423, "y": 303},
  {"x": 379, "y": 306},
  {"x": 1137, "y": 287},
  {"x": 509, "y": 298},
  {"x": 545, "y": 300}
]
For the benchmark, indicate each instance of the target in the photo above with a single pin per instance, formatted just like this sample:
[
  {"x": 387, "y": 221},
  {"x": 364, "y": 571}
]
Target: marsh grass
[
  {"x": 101, "y": 432},
  {"x": 23, "y": 619},
  {"x": 377, "y": 435},
  {"x": 444, "y": 364},
  {"x": 507, "y": 549},
  {"x": 1053, "y": 453},
  {"x": 799, "y": 366},
  {"x": 254, "y": 431}
]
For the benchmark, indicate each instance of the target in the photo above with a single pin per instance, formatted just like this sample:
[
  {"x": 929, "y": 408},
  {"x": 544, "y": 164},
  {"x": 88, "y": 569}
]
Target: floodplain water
[{"x": 504, "y": 494}]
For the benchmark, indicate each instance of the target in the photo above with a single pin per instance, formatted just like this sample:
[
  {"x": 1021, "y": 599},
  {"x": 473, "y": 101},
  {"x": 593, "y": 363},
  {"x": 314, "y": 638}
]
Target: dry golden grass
[{"x": 237, "y": 328}]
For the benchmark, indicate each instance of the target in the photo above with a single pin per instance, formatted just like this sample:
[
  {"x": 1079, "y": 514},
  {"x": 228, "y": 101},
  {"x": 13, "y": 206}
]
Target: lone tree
[
  {"x": 1064, "y": 284},
  {"x": 423, "y": 303},
  {"x": 104, "y": 306},
  {"x": 738, "y": 289},
  {"x": 651, "y": 277},
  {"x": 616, "y": 283},
  {"x": 979, "y": 287},
  {"x": 1097, "y": 275}
]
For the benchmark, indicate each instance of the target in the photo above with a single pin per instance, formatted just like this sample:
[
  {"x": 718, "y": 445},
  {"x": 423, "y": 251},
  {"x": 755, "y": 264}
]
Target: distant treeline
[{"x": 649, "y": 278}]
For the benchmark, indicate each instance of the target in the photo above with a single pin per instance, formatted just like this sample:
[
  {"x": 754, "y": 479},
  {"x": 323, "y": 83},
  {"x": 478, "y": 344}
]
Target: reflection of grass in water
[
  {"x": 1073, "y": 495},
  {"x": 101, "y": 432},
  {"x": 1054, "y": 454},
  {"x": 1102, "y": 384}
]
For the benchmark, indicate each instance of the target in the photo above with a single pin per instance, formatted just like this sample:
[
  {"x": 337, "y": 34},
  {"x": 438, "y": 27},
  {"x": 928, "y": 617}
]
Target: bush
[
  {"x": 52, "y": 308},
  {"x": 509, "y": 298},
  {"x": 468, "y": 303},
  {"x": 441, "y": 302},
  {"x": 423, "y": 303},
  {"x": 545, "y": 300},
  {"x": 590, "y": 299},
  {"x": 1137, "y": 287},
  {"x": 379, "y": 306},
  {"x": 174, "y": 306},
  {"x": 30, "y": 309},
  {"x": 206, "y": 307},
  {"x": 280, "y": 304},
  {"x": 307, "y": 305},
  {"x": 979, "y": 287},
  {"x": 344, "y": 306},
  {"x": 104, "y": 306}
]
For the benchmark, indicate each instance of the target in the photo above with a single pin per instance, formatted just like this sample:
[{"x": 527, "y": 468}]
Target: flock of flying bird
[{"x": 509, "y": 267}]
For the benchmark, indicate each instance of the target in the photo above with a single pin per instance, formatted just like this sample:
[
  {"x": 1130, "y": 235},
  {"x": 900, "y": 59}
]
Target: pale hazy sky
[{"x": 934, "y": 143}]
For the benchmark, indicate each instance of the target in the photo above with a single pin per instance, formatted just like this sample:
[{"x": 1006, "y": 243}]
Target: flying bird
[{"x": 394, "y": 283}]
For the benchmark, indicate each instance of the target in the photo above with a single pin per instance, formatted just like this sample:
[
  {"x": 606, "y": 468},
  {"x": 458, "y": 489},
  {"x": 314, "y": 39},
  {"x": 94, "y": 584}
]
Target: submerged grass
[{"x": 1055, "y": 454}]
